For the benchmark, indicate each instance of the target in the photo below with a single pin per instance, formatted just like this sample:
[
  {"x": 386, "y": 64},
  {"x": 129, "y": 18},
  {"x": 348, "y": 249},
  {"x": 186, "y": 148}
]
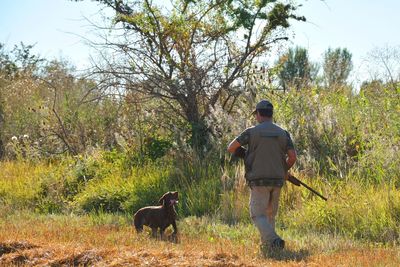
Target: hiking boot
[
  {"x": 270, "y": 249},
  {"x": 278, "y": 244}
]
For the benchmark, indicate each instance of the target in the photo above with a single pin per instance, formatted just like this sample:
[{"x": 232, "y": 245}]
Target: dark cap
[{"x": 263, "y": 104}]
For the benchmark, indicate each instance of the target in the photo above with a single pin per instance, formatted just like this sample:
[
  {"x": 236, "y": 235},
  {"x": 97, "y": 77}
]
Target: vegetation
[
  {"x": 296, "y": 71},
  {"x": 337, "y": 66},
  {"x": 347, "y": 144},
  {"x": 190, "y": 55},
  {"x": 82, "y": 154},
  {"x": 108, "y": 239}
]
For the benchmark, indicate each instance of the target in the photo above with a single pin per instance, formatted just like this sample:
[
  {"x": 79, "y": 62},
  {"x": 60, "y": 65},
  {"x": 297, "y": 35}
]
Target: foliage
[
  {"x": 296, "y": 69},
  {"x": 1, "y": 126},
  {"x": 337, "y": 66},
  {"x": 352, "y": 209},
  {"x": 50, "y": 111},
  {"x": 190, "y": 55},
  {"x": 78, "y": 145}
]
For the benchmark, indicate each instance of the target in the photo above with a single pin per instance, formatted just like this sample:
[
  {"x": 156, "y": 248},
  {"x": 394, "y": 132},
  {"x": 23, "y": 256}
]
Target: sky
[{"x": 58, "y": 27}]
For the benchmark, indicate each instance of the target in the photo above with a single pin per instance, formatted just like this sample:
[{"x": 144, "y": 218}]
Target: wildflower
[
  {"x": 14, "y": 138},
  {"x": 26, "y": 136}
]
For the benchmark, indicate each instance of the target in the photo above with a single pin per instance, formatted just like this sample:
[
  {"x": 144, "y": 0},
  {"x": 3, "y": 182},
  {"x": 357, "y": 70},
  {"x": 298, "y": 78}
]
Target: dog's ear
[{"x": 161, "y": 201}]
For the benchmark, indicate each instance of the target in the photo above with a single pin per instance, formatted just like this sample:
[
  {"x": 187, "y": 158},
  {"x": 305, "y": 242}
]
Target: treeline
[
  {"x": 182, "y": 79},
  {"x": 47, "y": 110},
  {"x": 77, "y": 144}
]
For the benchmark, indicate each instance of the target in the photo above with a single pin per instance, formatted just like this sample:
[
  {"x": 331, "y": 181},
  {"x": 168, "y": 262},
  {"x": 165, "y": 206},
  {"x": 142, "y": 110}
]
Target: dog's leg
[
  {"x": 154, "y": 232},
  {"x": 174, "y": 236},
  {"x": 139, "y": 228},
  {"x": 162, "y": 229},
  {"x": 175, "y": 228},
  {"x": 137, "y": 221}
]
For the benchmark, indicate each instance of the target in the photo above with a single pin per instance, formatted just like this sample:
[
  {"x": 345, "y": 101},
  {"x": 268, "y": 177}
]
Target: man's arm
[
  {"x": 291, "y": 152},
  {"x": 233, "y": 146},
  {"x": 291, "y": 158}
]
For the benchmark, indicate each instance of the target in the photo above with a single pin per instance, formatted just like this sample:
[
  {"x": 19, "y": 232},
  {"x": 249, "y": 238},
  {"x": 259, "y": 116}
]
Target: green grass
[{"x": 355, "y": 210}]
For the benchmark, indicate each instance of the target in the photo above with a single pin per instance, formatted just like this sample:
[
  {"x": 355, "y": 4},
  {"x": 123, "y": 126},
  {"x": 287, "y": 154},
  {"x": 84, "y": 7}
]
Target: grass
[
  {"x": 353, "y": 209},
  {"x": 357, "y": 210},
  {"x": 78, "y": 211},
  {"x": 104, "y": 239}
]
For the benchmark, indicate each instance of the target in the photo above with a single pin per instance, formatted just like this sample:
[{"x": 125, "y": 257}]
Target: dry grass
[{"x": 77, "y": 241}]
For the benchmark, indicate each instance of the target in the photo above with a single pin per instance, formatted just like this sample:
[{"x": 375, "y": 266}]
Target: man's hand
[
  {"x": 291, "y": 158},
  {"x": 286, "y": 176},
  {"x": 292, "y": 179},
  {"x": 240, "y": 152}
]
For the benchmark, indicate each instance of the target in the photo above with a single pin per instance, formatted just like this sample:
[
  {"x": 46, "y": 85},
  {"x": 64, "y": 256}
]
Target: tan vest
[{"x": 266, "y": 155}]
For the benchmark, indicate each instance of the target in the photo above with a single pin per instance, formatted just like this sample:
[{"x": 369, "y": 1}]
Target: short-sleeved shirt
[{"x": 268, "y": 145}]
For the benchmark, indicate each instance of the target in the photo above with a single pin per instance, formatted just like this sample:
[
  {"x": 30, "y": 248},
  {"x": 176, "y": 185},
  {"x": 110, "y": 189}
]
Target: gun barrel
[
  {"x": 312, "y": 190},
  {"x": 297, "y": 182}
]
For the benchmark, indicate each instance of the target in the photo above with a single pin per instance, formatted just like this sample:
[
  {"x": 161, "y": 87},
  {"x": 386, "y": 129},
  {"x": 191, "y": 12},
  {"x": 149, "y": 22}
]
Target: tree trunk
[
  {"x": 199, "y": 139},
  {"x": 199, "y": 136}
]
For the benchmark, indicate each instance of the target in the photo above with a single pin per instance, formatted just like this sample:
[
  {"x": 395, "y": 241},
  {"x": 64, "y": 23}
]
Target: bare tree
[{"x": 384, "y": 64}]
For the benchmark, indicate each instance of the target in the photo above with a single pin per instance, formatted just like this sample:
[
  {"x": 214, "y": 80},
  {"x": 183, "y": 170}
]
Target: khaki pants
[{"x": 264, "y": 202}]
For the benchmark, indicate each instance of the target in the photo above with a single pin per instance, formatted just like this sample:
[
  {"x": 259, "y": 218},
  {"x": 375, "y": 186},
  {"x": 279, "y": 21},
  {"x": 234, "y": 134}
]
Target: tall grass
[
  {"x": 354, "y": 210},
  {"x": 357, "y": 210},
  {"x": 348, "y": 148}
]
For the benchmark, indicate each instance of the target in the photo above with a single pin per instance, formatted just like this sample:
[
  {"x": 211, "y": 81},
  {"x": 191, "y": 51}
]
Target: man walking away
[{"x": 270, "y": 154}]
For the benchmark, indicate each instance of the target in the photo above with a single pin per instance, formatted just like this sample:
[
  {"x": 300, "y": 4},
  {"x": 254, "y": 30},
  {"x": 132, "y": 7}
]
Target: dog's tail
[{"x": 138, "y": 222}]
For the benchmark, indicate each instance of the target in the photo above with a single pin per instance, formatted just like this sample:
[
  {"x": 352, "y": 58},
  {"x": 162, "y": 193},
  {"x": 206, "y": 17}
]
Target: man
[{"x": 269, "y": 156}]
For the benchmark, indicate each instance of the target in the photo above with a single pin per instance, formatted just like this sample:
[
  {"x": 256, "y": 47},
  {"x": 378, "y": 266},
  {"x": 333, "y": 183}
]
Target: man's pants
[{"x": 264, "y": 201}]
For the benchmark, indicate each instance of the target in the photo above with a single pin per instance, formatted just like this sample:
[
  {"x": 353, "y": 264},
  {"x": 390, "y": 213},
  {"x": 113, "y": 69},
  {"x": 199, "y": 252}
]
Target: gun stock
[{"x": 297, "y": 182}]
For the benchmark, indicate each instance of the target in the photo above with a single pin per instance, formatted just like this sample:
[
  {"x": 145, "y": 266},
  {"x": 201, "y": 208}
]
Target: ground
[
  {"x": 28, "y": 239},
  {"x": 150, "y": 252}
]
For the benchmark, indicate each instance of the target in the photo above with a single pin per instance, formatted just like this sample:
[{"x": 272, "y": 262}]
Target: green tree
[
  {"x": 191, "y": 55},
  {"x": 337, "y": 66},
  {"x": 296, "y": 69}
]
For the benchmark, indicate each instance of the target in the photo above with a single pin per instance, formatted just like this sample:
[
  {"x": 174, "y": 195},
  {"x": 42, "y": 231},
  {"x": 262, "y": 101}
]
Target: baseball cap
[{"x": 263, "y": 104}]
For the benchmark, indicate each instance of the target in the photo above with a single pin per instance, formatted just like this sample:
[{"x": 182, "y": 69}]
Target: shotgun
[{"x": 297, "y": 182}]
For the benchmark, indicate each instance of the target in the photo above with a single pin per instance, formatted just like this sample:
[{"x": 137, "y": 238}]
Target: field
[
  {"x": 169, "y": 88},
  {"x": 109, "y": 240},
  {"x": 48, "y": 218},
  {"x": 76, "y": 210}
]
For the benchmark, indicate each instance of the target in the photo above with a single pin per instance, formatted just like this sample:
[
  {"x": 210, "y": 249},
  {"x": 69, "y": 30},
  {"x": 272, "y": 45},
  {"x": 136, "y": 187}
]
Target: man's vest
[{"x": 266, "y": 155}]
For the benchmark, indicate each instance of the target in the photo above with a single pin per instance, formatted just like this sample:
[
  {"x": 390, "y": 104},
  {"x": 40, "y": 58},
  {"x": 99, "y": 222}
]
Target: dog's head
[{"x": 169, "y": 199}]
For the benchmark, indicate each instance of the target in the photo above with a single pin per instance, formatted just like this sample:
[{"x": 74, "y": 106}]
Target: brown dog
[{"x": 158, "y": 217}]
